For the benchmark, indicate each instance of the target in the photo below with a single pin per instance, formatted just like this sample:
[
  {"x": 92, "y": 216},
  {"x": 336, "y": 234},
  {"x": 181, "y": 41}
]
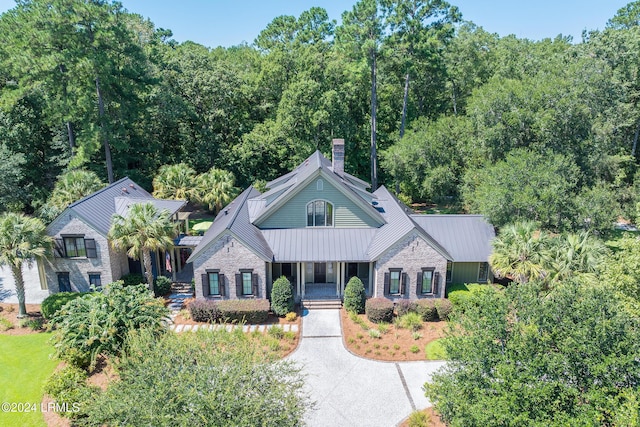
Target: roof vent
[
  {"x": 124, "y": 190},
  {"x": 132, "y": 186}
]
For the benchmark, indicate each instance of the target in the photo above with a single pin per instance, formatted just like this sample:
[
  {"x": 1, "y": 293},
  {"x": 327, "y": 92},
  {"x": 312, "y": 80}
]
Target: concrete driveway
[{"x": 352, "y": 391}]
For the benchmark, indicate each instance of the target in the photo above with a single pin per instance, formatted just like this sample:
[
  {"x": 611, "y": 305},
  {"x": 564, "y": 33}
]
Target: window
[
  {"x": 449, "y": 271},
  {"x": 483, "y": 272},
  {"x": 74, "y": 247},
  {"x": 394, "y": 282},
  {"x": 319, "y": 185},
  {"x": 64, "y": 284},
  {"x": 214, "y": 283},
  {"x": 94, "y": 280},
  {"x": 319, "y": 214},
  {"x": 247, "y": 288},
  {"x": 425, "y": 281}
]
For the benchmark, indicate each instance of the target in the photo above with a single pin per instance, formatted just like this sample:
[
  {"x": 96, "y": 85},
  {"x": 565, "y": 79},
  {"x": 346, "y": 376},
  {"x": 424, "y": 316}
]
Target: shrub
[
  {"x": 68, "y": 387},
  {"x": 290, "y": 335},
  {"x": 411, "y": 321},
  {"x": 418, "y": 419},
  {"x": 276, "y": 332},
  {"x": 282, "y": 296},
  {"x": 459, "y": 294},
  {"x": 244, "y": 310},
  {"x": 55, "y": 302},
  {"x": 99, "y": 322},
  {"x": 5, "y": 324},
  {"x": 162, "y": 286},
  {"x": 204, "y": 310},
  {"x": 291, "y": 316},
  {"x": 35, "y": 324},
  {"x": 354, "y": 296},
  {"x": 443, "y": 308},
  {"x": 414, "y": 349},
  {"x": 426, "y": 308},
  {"x": 416, "y": 335},
  {"x": 405, "y": 306},
  {"x": 379, "y": 310},
  {"x": 383, "y": 328},
  {"x": 133, "y": 279},
  {"x": 374, "y": 333}
]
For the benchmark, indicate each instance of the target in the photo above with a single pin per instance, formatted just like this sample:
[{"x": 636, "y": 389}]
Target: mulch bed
[
  {"x": 393, "y": 346},
  {"x": 10, "y": 312},
  {"x": 432, "y": 416}
]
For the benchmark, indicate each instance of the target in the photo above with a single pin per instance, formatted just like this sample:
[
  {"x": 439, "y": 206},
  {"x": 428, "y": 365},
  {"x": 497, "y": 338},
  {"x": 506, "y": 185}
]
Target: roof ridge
[
  {"x": 237, "y": 211},
  {"x": 458, "y": 215},
  {"x": 95, "y": 193}
]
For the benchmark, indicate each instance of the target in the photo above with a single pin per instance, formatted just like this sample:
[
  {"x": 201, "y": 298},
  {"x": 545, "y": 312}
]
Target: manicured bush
[
  {"x": 405, "y": 306},
  {"x": 460, "y": 294},
  {"x": 379, "y": 310},
  {"x": 55, "y": 302},
  {"x": 411, "y": 321},
  {"x": 68, "y": 387},
  {"x": 426, "y": 308},
  {"x": 244, "y": 310},
  {"x": 204, "y": 310},
  {"x": 354, "y": 296},
  {"x": 133, "y": 279},
  {"x": 291, "y": 316},
  {"x": 99, "y": 322},
  {"x": 162, "y": 286},
  {"x": 443, "y": 308},
  {"x": 282, "y": 296}
]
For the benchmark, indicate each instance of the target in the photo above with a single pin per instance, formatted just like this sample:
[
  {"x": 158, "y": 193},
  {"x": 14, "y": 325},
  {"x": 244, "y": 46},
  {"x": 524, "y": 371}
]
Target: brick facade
[
  {"x": 228, "y": 256},
  {"x": 411, "y": 254}
]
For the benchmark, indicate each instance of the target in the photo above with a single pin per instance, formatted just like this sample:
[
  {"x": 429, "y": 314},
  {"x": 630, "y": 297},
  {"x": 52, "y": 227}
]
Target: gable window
[
  {"x": 75, "y": 247},
  {"x": 319, "y": 214},
  {"x": 483, "y": 272},
  {"x": 425, "y": 281},
  {"x": 319, "y": 185},
  {"x": 95, "y": 280}
]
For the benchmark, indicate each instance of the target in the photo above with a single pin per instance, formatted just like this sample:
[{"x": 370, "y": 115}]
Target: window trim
[
  {"x": 244, "y": 283},
  {"x": 433, "y": 275},
  {"x": 399, "y": 271},
  {"x": 217, "y": 273},
  {"x": 75, "y": 244},
  {"x": 313, "y": 214},
  {"x": 486, "y": 278}
]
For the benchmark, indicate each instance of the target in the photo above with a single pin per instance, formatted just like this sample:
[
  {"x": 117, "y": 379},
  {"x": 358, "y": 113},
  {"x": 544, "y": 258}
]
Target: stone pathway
[
  {"x": 218, "y": 326},
  {"x": 179, "y": 293}
]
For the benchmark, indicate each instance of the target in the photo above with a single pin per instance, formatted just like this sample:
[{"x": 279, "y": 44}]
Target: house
[
  {"x": 82, "y": 255},
  {"x": 320, "y": 226}
]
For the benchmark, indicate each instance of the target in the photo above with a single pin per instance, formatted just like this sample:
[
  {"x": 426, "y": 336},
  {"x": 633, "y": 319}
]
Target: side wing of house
[
  {"x": 35, "y": 285},
  {"x": 82, "y": 256}
]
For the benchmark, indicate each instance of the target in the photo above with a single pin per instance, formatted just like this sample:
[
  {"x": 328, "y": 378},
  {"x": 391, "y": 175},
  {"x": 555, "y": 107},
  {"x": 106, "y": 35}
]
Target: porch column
[
  {"x": 173, "y": 265},
  {"x": 179, "y": 261},
  {"x": 371, "y": 272},
  {"x": 337, "y": 272},
  {"x": 298, "y": 287},
  {"x": 303, "y": 279},
  {"x": 343, "y": 269}
]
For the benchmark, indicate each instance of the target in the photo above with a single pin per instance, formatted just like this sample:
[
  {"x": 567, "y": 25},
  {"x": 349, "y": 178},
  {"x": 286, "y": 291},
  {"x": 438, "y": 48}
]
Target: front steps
[{"x": 322, "y": 304}]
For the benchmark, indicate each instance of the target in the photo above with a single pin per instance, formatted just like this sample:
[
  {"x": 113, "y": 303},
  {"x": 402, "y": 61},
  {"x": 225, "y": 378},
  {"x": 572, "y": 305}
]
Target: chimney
[{"x": 337, "y": 156}]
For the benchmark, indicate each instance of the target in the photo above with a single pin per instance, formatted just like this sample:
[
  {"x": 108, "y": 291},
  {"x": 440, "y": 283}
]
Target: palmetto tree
[
  {"x": 519, "y": 252},
  {"x": 73, "y": 186},
  {"x": 575, "y": 254},
  {"x": 23, "y": 239},
  {"x": 174, "y": 182},
  {"x": 143, "y": 230},
  {"x": 215, "y": 188}
]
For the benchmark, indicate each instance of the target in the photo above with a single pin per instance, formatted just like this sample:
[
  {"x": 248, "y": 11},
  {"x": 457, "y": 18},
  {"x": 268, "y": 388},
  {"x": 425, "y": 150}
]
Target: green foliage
[
  {"x": 276, "y": 332},
  {"x": 435, "y": 350},
  {"x": 35, "y": 324},
  {"x": 162, "y": 286},
  {"x": 98, "y": 323},
  {"x": 215, "y": 189},
  {"x": 174, "y": 182},
  {"x": 374, "y": 333},
  {"x": 5, "y": 324},
  {"x": 379, "y": 310},
  {"x": 282, "y": 296},
  {"x": 223, "y": 378},
  {"x": 568, "y": 341},
  {"x": 443, "y": 308},
  {"x": 73, "y": 186},
  {"x": 68, "y": 387},
  {"x": 55, "y": 302},
  {"x": 418, "y": 419},
  {"x": 354, "y": 296},
  {"x": 411, "y": 321},
  {"x": 405, "y": 306},
  {"x": 622, "y": 267},
  {"x": 204, "y": 311},
  {"x": 132, "y": 279},
  {"x": 426, "y": 308},
  {"x": 249, "y": 311},
  {"x": 460, "y": 295}
]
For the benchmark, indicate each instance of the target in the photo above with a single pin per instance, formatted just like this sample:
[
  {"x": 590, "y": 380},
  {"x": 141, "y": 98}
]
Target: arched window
[{"x": 319, "y": 214}]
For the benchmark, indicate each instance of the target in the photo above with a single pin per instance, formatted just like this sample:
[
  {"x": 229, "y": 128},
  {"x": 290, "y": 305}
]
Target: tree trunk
[
  {"x": 454, "y": 99},
  {"x": 17, "y": 277},
  {"x": 635, "y": 141},
  {"x": 72, "y": 137},
  {"x": 404, "y": 105},
  {"x": 105, "y": 139},
  {"x": 148, "y": 271},
  {"x": 374, "y": 108}
]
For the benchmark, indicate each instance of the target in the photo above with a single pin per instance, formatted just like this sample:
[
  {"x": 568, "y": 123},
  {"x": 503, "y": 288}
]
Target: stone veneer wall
[
  {"x": 109, "y": 264},
  {"x": 411, "y": 254},
  {"x": 229, "y": 255}
]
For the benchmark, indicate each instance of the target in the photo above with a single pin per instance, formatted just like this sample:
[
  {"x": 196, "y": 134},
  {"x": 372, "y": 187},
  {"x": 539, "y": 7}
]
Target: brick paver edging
[{"x": 217, "y": 327}]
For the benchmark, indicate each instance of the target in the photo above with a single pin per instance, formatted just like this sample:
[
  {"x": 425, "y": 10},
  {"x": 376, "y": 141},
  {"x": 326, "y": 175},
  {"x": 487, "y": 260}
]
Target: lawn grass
[
  {"x": 435, "y": 351},
  {"x": 25, "y": 366}
]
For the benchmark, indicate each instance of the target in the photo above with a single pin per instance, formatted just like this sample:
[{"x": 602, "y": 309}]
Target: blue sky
[{"x": 227, "y": 23}]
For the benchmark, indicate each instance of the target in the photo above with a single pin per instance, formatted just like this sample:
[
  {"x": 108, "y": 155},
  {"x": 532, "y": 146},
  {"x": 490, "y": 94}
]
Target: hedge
[
  {"x": 443, "y": 308},
  {"x": 162, "y": 286},
  {"x": 204, "y": 311},
  {"x": 426, "y": 308},
  {"x": 244, "y": 310},
  {"x": 405, "y": 306},
  {"x": 55, "y": 302},
  {"x": 133, "y": 279},
  {"x": 379, "y": 310}
]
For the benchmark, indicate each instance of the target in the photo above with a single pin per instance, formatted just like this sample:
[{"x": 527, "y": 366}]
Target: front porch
[{"x": 321, "y": 280}]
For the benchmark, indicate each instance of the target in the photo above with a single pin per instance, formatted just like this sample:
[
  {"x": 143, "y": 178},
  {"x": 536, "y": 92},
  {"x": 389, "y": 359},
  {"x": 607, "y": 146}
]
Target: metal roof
[
  {"x": 319, "y": 244},
  {"x": 466, "y": 237},
  {"x": 184, "y": 240}
]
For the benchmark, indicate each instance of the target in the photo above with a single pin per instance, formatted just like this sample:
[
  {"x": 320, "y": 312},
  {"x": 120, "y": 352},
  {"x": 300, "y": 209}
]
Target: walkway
[{"x": 352, "y": 391}]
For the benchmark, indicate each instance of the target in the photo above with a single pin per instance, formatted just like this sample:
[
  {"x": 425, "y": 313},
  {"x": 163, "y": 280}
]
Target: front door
[
  {"x": 320, "y": 272},
  {"x": 64, "y": 284}
]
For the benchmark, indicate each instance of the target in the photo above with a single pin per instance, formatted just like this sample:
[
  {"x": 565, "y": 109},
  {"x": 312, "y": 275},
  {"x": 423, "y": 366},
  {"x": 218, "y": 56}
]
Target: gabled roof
[
  {"x": 285, "y": 187},
  {"x": 235, "y": 219},
  {"x": 398, "y": 225},
  {"x": 466, "y": 237},
  {"x": 97, "y": 209}
]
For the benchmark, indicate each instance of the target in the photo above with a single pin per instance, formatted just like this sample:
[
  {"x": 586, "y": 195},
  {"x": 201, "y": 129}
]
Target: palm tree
[
  {"x": 215, "y": 189},
  {"x": 143, "y": 230},
  {"x": 575, "y": 254},
  {"x": 519, "y": 252},
  {"x": 23, "y": 239},
  {"x": 73, "y": 186},
  {"x": 174, "y": 182}
]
